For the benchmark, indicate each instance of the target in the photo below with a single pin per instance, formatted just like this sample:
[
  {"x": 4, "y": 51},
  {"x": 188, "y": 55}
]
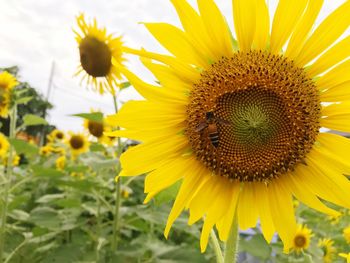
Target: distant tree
[{"x": 38, "y": 106}]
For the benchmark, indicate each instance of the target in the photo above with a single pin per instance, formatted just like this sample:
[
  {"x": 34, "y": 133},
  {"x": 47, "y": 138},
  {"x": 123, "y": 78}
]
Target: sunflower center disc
[
  {"x": 300, "y": 241},
  {"x": 59, "y": 135},
  {"x": 253, "y": 116},
  {"x": 76, "y": 142},
  {"x": 95, "y": 128},
  {"x": 95, "y": 57}
]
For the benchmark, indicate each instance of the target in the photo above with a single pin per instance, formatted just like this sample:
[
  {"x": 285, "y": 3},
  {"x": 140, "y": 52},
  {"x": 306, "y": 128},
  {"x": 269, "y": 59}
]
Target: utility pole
[{"x": 48, "y": 93}]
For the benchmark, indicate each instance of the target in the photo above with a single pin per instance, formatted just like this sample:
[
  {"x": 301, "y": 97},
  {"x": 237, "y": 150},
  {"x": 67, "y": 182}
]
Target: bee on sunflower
[
  {"x": 7, "y": 83},
  {"x": 100, "y": 53},
  {"x": 237, "y": 120}
]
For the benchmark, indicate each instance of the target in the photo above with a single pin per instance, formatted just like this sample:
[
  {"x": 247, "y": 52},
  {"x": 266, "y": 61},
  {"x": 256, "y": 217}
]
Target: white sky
[{"x": 33, "y": 33}]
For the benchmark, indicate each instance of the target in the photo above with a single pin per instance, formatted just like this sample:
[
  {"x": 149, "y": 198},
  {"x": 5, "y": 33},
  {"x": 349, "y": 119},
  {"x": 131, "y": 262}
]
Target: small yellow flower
[
  {"x": 56, "y": 135},
  {"x": 78, "y": 143},
  {"x": 7, "y": 82},
  {"x": 46, "y": 150},
  {"x": 99, "y": 130},
  {"x": 346, "y": 234},
  {"x": 99, "y": 54},
  {"x": 77, "y": 175},
  {"x": 328, "y": 249},
  {"x": 60, "y": 162},
  {"x": 301, "y": 239},
  {"x": 334, "y": 219},
  {"x": 347, "y": 256},
  {"x": 4, "y": 145}
]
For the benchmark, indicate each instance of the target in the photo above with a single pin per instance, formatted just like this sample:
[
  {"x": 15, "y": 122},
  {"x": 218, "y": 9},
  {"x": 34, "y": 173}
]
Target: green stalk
[
  {"x": 232, "y": 243},
  {"x": 118, "y": 188},
  {"x": 216, "y": 247},
  {"x": 7, "y": 177}
]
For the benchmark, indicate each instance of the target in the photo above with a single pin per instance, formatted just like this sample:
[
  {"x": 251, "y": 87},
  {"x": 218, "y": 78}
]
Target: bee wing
[{"x": 201, "y": 126}]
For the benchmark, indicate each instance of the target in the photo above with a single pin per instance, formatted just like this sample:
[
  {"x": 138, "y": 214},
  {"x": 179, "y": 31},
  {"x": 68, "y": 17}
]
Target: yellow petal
[
  {"x": 150, "y": 155},
  {"x": 333, "y": 56},
  {"x": 336, "y": 76},
  {"x": 149, "y": 115},
  {"x": 282, "y": 211},
  {"x": 152, "y": 92},
  {"x": 287, "y": 16},
  {"x": 338, "y": 116},
  {"x": 193, "y": 180},
  {"x": 187, "y": 73},
  {"x": 336, "y": 147},
  {"x": 245, "y": 21},
  {"x": 262, "y": 203},
  {"x": 262, "y": 31},
  {"x": 194, "y": 28},
  {"x": 224, "y": 225},
  {"x": 167, "y": 174},
  {"x": 325, "y": 35},
  {"x": 176, "y": 42},
  {"x": 337, "y": 93},
  {"x": 217, "y": 27},
  {"x": 303, "y": 28},
  {"x": 246, "y": 210},
  {"x": 300, "y": 190}
]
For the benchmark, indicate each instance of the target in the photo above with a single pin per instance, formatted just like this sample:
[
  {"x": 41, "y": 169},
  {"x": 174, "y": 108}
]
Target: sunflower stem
[
  {"x": 7, "y": 178},
  {"x": 216, "y": 247},
  {"x": 114, "y": 244},
  {"x": 232, "y": 243}
]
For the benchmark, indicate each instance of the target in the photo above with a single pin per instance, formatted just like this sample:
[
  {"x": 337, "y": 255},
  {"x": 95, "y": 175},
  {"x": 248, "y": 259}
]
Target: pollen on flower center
[
  {"x": 95, "y": 57},
  {"x": 76, "y": 142},
  {"x": 264, "y": 116}
]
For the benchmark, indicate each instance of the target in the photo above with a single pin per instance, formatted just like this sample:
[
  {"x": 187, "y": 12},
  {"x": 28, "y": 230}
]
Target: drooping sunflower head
[
  {"x": 99, "y": 52},
  {"x": 346, "y": 233},
  {"x": 78, "y": 143},
  {"x": 327, "y": 246},
  {"x": 7, "y": 83},
  {"x": 302, "y": 238},
  {"x": 4, "y": 146},
  {"x": 56, "y": 135},
  {"x": 238, "y": 118}
]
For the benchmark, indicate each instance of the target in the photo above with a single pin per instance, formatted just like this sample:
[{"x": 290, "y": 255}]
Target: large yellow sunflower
[
  {"x": 7, "y": 83},
  {"x": 237, "y": 120},
  {"x": 99, "y": 52}
]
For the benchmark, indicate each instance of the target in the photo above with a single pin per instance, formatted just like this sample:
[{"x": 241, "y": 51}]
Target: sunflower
[
  {"x": 238, "y": 120},
  {"x": 328, "y": 249},
  {"x": 97, "y": 51},
  {"x": 60, "y": 162},
  {"x": 302, "y": 239},
  {"x": 346, "y": 234},
  {"x": 46, "y": 150},
  {"x": 78, "y": 143},
  {"x": 344, "y": 255},
  {"x": 56, "y": 135},
  {"x": 7, "y": 82},
  {"x": 98, "y": 130},
  {"x": 4, "y": 146}
]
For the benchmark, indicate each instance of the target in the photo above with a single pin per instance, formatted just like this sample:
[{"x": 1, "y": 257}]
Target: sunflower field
[{"x": 238, "y": 151}]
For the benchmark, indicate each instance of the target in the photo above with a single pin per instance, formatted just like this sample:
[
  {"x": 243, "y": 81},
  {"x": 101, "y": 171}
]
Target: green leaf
[
  {"x": 46, "y": 172},
  {"x": 45, "y": 217},
  {"x": 125, "y": 85},
  {"x": 256, "y": 246},
  {"x": 93, "y": 116},
  {"x": 33, "y": 120},
  {"x": 49, "y": 198},
  {"x": 167, "y": 195},
  {"x": 24, "y": 100},
  {"x": 23, "y": 147}
]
